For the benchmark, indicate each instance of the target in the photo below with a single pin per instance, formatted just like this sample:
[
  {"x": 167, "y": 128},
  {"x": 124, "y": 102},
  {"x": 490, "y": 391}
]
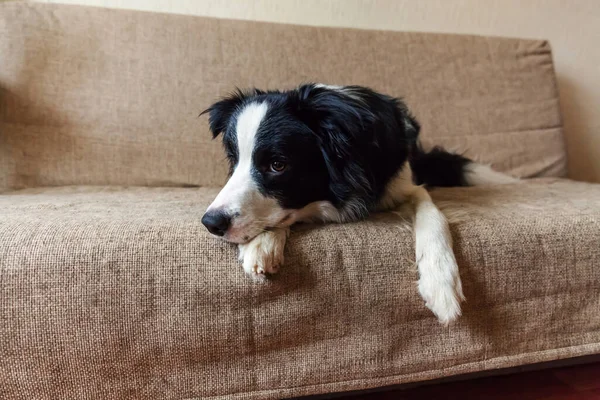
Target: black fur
[{"x": 341, "y": 145}]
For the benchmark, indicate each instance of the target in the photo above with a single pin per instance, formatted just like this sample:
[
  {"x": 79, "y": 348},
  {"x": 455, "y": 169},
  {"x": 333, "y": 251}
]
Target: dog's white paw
[
  {"x": 263, "y": 255},
  {"x": 440, "y": 285}
]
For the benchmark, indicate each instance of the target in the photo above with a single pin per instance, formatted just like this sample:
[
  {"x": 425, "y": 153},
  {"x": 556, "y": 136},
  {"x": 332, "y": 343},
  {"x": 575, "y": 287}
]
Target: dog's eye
[{"x": 277, "y": 166}]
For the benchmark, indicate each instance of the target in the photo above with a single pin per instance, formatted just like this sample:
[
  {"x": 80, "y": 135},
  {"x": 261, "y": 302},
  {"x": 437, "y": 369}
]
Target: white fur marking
[
  {"x": 241, "y": 183},
  {"x": 318, "y": 211},
  {"x": 479, "y": 174},
  {"x": 341, "y": 89},
  {"x": 330, "y": 87},
  {"x": 247, "y": 125},
  {"x": 399, "y": 188}
]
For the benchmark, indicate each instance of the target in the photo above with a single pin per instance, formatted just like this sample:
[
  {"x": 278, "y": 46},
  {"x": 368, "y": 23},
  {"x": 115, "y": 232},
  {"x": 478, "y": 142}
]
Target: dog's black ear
[
  {"x": 339, "y": 120},
  {"x": 406, "y": 120},
  {"x": 220, "y": 113},
  {"x": 342, "y": 124}
]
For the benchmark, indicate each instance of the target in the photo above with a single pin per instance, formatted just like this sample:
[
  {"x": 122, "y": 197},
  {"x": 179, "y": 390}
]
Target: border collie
[{"x": 333, "y": 154}]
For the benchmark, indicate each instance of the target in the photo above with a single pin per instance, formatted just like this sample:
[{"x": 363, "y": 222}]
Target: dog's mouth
[
  {"x": 245, "y": 234},
  {"x": 237, "y": 239}
]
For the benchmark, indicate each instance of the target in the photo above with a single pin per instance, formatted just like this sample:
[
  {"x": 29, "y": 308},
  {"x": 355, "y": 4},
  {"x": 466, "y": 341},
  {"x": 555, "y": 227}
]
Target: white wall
[{"x": 572, "y": 26}]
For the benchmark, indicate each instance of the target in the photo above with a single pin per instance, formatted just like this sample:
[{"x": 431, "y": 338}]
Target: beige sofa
[{"x": 110, "y": 287}]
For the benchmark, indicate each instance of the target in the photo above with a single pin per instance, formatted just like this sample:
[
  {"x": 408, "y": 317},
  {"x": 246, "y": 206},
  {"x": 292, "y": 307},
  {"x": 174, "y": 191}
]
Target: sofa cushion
[
  {"x": 91, "y": 96},
  {"x": 121, "y": 293}
]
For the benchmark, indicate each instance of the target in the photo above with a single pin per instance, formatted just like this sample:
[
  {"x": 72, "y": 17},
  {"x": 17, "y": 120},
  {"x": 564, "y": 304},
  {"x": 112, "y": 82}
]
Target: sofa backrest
[{"x": 111, "y": 97}]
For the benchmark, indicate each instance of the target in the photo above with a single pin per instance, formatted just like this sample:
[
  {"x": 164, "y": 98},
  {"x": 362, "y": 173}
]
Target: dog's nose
[{"x": 217, "y": 222}]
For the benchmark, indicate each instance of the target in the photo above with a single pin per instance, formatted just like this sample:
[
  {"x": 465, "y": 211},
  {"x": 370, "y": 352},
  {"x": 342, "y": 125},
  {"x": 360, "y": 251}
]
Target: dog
[{"x": 324, "y": 153}]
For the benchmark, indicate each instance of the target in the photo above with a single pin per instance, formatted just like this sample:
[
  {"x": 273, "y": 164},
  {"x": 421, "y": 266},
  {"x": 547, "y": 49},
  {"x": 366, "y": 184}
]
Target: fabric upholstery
[
  {"x": 109, "y": 97},
  {"x": 120, "y": 293},
  {"x": 116, "y": 291}
]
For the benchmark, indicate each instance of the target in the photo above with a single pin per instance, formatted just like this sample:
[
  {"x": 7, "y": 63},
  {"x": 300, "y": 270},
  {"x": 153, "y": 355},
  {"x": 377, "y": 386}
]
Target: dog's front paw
[
  {"x": 263, "y": 255},
  {"x": 440, "y": 286}
]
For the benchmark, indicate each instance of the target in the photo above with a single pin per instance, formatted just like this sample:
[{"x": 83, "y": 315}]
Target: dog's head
[{"x": 291, "y": 154}]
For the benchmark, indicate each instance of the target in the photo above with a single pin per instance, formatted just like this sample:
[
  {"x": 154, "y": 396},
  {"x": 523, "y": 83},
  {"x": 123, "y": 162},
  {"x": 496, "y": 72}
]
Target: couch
[{"x": 111, "y": 288}]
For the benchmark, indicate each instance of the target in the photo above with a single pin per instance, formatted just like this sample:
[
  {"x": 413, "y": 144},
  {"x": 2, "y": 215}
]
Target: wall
[{"x": 573, "y": 28}]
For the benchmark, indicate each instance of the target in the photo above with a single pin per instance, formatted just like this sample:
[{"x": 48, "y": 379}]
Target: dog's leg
[
  {"x": 264, "y": 254},
  {"x": 439, "y": 279}
]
